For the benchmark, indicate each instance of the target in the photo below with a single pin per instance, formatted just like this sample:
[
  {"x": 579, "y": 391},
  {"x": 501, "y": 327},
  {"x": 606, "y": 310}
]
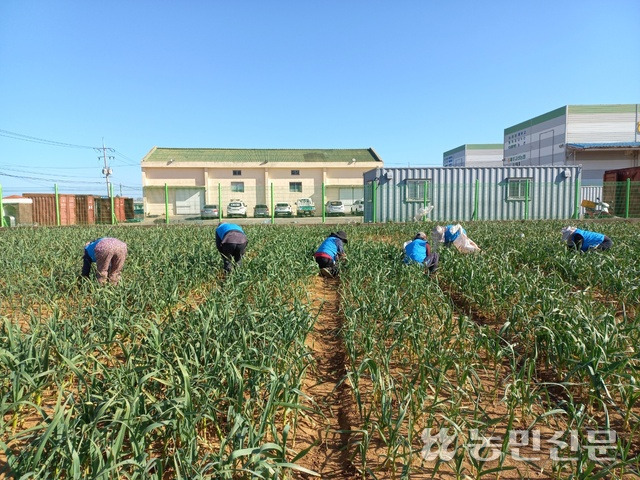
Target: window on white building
[
  {"x": 517, "y": 188},
  {"x": 295, "y": 186},
  {"x": 237, "y": 187},
  {"x": 415, "y": 190}
]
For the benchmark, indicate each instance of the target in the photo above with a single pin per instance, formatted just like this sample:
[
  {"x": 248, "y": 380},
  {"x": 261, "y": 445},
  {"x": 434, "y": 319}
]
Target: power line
[
  {"x": 53, "y": 180},
  {"x": 28, "y": 138},
  {"x": 38, "y": 173},
  {"x": 134, "y": 164}
]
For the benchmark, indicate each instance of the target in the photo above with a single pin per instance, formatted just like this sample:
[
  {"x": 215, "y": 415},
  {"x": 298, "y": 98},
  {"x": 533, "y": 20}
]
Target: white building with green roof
[
  {"x": 474, "y": 155},
  {"x": 598, "y": 137},
  {"x": 197, "y": 176}
]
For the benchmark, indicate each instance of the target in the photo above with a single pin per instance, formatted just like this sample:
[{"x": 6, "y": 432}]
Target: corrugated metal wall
[{"x": 452, "y": 192}]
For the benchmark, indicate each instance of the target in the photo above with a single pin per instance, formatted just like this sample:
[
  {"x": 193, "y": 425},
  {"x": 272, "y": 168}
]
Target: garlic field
[{"x": 521, "y": 361}]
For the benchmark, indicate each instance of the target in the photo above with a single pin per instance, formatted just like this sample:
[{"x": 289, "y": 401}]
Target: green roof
[
  {"x": 572, "y": 109},
  {"x": 621, "y": 108},
  {"x": 558, "y": 112},
  {"x": 474, "y": 146},
  {"x": 238, "y": 155}
]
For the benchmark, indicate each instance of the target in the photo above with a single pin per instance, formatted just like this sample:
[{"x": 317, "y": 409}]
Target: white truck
[{"x": 305, "y": 206}]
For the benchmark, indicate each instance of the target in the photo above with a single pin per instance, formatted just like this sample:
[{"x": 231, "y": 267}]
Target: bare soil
[{"x": 326, "y": 430}]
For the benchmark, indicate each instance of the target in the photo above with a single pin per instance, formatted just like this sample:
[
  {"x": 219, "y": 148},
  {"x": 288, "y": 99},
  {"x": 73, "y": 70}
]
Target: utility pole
[{"x": 106, "y": 171}]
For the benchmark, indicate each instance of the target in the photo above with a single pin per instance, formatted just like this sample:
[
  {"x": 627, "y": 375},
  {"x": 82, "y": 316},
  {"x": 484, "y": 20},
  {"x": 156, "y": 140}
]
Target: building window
[
  {"x": 415, "y": 190},
  {"x": 237, "y": 187},
  {"x": 295, "y": 186},
  {"x": 237, "y": 173},
  {"x": 517, "y": 188},
  {"x": 295, "y": 172}
]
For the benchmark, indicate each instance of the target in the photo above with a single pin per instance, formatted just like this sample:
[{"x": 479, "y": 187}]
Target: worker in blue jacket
[
  {"x": 330, "y": 252},
  {"x": 584, "y": 240},
  {"x": 448, "y": 234},
  {"x": 231, "y": 242},
  {"x": 418, "y": 251}
]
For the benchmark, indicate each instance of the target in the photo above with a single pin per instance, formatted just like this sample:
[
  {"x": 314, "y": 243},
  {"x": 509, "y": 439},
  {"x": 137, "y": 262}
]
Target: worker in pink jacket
[{"x": 109, "y": 255}]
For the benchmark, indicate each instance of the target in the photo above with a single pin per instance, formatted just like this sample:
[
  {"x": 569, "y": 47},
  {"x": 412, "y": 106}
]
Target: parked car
[
  {"x": 305, "y": 206},
  {"x": 357, "y": 208},
  {"x": 334, "y": 207},
  {"x": 261, "y": 210},
  {"x": 282, "y": 209},
  {"x": 209, "y": 211},
  {"x": 236, "y": 208}
]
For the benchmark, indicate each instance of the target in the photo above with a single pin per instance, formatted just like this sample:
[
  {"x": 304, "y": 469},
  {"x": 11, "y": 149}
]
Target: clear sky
[{"x": 412, "y": 79}]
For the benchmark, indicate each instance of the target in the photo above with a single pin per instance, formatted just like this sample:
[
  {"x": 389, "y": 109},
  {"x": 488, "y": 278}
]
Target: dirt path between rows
[{"x": 326, "y": 430}]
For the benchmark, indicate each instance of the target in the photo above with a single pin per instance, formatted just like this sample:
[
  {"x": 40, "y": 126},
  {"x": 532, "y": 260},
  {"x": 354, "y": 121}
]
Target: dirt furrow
[{"x": 326, "y": 430}]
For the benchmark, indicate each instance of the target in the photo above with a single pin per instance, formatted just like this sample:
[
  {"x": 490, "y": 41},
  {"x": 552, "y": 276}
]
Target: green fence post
[
  {"x": 166, "y": 203},
  {"x": 374, "y": 187},
  {"x": 424, "y": 200},
  {"x": 627, "y": 199},
  {"x": 114, "y": 219},
  {"x": 55, "y": 188},
  {"x": 324, "y": 212},
  {"x": 576, "y": 208},
  {"x": 273, "y": 212},
  {"x": 476, "y": 200},
  {"x": 219, "y": 203},
  {"x": 526, "y": 200},
  {"x": 3, "y": 222}
]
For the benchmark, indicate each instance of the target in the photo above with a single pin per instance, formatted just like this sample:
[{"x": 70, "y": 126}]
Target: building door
[{"x": 188, "y": 201}]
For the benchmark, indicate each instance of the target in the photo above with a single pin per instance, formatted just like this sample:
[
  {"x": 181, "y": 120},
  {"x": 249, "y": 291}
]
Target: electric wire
[{"x": 29, "y": 138}]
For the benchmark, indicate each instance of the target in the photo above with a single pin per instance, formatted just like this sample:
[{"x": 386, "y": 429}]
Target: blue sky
[{"x": 411, "y": 79}]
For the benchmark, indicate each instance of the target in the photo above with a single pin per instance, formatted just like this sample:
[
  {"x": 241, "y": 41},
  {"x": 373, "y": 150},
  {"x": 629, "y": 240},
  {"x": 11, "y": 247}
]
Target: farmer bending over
[
  {"x": 584, "y": 240},
  {"x": 418, "y": 251},
  {"x": 330, "y": 252},
  {"x": 109, "y": 255},
  {"x": 231, "y": 243},
  {"x": 454, "y": 235}
]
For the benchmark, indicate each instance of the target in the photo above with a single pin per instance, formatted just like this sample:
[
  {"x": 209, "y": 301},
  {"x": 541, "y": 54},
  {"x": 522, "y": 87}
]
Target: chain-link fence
[
  {"x": 59, "y": 208},
  {"x": 273, "y": 202},
  {"x": 511, "y": 199},
  {"x": 623, "y": 198},
  {"x": 409, "y": 200}
]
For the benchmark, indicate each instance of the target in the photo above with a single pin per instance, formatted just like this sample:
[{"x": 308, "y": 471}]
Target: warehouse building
[
  {"x": 474, "y": 155},
  {"x": 598, "y": 137},
  {"x": 193, "y": 177},
  {"x": 448, "y": 194}
]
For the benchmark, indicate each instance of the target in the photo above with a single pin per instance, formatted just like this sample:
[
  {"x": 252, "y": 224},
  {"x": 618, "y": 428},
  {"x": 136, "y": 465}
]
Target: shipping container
[
  {"x": 85, "y": 210},
  {"x": 129, "y": 213},
  {"x": 450, "y": 194},
  {"x": 621, "y": 190},
  {"x": 103, "y": 209},
  {"x": 44, "y": 208}
]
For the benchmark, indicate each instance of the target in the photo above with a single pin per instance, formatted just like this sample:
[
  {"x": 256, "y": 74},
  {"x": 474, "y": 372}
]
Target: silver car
[
  {"x": 334, "y": 207},
  {"x": 282, "y": 209},
  {"x": 209, "y": 211}
]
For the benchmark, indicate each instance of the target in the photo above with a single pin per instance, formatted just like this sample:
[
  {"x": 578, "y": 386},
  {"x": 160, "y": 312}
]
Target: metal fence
[
  {"x": 59, "y": 209},
  {"x": 623, "y": 198},
  {"x": 297, "y": 199},
  {"x": 522, "y": 199}
]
